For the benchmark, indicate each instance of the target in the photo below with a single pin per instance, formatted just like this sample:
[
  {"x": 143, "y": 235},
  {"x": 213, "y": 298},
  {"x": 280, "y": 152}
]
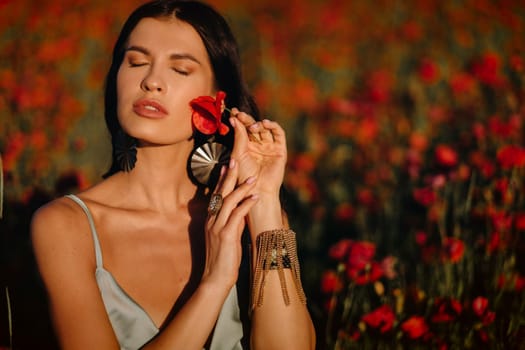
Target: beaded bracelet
[{"x": 276, "y": 250}]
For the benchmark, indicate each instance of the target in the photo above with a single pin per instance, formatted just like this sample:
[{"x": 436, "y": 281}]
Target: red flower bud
[{"x": 479, "y": 305}]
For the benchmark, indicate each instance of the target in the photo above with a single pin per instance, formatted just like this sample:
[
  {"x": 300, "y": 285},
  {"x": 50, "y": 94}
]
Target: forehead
[{"x": 167, "y": 35}]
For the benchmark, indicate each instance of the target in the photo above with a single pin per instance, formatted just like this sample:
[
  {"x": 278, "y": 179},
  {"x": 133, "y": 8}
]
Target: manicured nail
[
  {"x": 255, "y": 196},
  {"x": 250, "y": 180},
  {"x": 223, "y": 170},
  {"x": 232, "y": 121},
  {"x": 232, "y": 163}
]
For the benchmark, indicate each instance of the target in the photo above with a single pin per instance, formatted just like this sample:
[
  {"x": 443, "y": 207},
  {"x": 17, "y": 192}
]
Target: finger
[
  {"x": 232, "y": 229},
  {"x": 278, "y": 134},
  {"x": 231, "y": 201},
  {"x": 240, "y": 136},
  {"x": 220, "y": 181},
  {"x": 236, "y": 220},
  {"x": 229, "y": 179},
  {"x": 264, "y": 133},
  {"x": 244, "y": 118},
  {"x": 248, "y": 121},
  {"x": 225, "y": 186}
]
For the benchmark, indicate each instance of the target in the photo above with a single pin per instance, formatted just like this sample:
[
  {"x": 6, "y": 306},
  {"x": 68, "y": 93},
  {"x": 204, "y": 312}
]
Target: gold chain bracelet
[{"x": 276, "y": 250}]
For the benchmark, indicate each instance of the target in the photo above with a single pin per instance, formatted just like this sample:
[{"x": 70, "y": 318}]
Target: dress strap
[{"x": 98, "y": 251}]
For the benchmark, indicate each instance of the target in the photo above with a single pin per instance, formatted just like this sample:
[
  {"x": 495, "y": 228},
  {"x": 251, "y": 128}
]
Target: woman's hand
[
  {"x": 224, "y": 226},
  {"x": 260, "y": 149}
]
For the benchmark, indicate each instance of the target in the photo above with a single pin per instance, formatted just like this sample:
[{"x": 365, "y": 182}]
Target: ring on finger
[{"x": 215, "y": 203}]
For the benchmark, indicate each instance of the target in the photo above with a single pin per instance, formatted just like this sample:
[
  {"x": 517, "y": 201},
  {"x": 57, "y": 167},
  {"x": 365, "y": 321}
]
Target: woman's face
[{"x": 165, "y": 66}]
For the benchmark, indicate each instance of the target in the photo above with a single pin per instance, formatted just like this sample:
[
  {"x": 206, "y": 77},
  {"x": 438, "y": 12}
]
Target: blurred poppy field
[{"x": 406, "y": 174}]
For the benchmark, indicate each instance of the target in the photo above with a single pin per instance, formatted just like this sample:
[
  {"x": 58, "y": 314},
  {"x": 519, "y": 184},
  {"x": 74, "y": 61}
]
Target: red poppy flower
[
  {"x": 428, "y": 71},
  {"x": 207, "y": 114},
  {"x": 421, "y": 238},
  {"x": 415, "y": 327},
  {"x": 446, "y": 156},
  {"x": 424, "y": 196},
  {"x": 446, "y": 310},
  {"x": 330, "y": 282},
  {"x": 388, "y": 266},
  {"x": 479, "y": 306},
  {"x": 454, "y": 249},
  {"x": 520, "y": 221},
  {"x": 365, "y": 275},
  {"x": 383, "y": 318},
  {"x": 510, "y": 156},
  {"x": 339, "y": 250},
  {"x": 361, "y": 254}
]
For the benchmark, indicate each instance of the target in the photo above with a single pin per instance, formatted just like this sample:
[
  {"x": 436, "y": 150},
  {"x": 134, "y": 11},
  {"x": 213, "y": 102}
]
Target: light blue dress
[{"x": 132, "y": 325}]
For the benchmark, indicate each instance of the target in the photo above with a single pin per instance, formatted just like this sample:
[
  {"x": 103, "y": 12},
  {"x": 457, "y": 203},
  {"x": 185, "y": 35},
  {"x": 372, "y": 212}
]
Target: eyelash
[
  {"x": 131, "y": 64},
  {"x": 179, "y": 71}
]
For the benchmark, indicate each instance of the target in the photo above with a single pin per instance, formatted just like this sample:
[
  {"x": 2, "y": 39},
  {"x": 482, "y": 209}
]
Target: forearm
[
  {"x": 193, "y": 324},
  {"x": 276, "y": 323}
]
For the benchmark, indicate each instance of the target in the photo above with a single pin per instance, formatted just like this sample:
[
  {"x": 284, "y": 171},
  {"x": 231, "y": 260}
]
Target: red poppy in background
[
  {"x": 446, "y": 156},
  {"x": 454, "y": 249},
  {"x": 330, "y": 282},
  {"x": 511, "y": 156},
  {"x": 501, "y": 220},
  {"x": 207, "y": 114},
  {"x": 388, "y": 266},
  {"x": 520, "y": 221},
  {"x": 487, "y": 69},
  {"x": 369, "y": 274},
  {"x": 462, "y": 83},
  {"x": 339, "y": 250},
  {"x": 425, "y": 196},
  {"x": 447, "y": 310},
  {"x": 344, "y": 212},
  {"x": 383, "y": 318},
  {"x": 361, "y": 254},
  {"x": 415, "y": 327},
  {"x": 480, "y": 305},
  {"x": 421, "y": 238},
  {"x": 497, "y": 127},
  {"x": 428, "y": 71}
]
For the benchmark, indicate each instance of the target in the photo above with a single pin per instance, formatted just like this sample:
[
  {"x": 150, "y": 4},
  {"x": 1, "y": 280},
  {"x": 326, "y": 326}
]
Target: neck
[{"x": 159, "y": 180}]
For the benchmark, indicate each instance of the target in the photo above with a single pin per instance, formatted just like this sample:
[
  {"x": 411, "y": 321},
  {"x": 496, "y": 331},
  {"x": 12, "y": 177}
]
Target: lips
[{"x": 149, "y": 109}]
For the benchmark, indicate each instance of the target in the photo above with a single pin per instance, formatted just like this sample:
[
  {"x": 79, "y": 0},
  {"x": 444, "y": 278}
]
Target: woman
[{"x": 150, "y": 258}]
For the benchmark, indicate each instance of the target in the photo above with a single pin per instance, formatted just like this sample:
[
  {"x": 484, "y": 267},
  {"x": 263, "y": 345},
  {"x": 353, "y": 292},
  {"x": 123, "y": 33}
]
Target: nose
[{"x": 153, "y": 82}]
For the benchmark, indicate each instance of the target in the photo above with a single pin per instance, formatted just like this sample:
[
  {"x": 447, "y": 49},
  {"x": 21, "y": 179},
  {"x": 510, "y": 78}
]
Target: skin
[{"x": 148, "y": 219}]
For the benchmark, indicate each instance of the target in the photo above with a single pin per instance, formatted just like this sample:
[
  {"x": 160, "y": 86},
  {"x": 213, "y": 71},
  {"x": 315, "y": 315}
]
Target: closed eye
[
  {"x": 137, "y": 64},
  {"x": 181, "y": 72}
]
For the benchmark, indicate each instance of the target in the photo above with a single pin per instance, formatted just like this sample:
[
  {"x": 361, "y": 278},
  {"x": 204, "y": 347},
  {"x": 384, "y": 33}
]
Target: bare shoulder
[
  {"x": 59, "y": 228},
  {"x": 55, "y": 217}
]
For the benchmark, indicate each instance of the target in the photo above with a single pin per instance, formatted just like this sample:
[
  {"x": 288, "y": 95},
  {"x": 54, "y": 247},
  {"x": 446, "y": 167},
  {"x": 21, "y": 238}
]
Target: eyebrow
[{"x": 174, "y": 56}]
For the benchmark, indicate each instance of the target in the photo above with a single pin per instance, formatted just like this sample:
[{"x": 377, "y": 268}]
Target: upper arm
[{"x": 64, "y": 252}]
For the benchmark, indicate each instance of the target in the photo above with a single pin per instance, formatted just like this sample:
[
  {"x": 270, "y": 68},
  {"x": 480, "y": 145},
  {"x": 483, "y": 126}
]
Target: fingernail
[
  {"x": 255, "y": 196},
  {"x": 223, "y": 170},
  {"x": 250, "y": 180},
  {"x": 232, "y": 122},
  {"x": 232, "y": 163}
]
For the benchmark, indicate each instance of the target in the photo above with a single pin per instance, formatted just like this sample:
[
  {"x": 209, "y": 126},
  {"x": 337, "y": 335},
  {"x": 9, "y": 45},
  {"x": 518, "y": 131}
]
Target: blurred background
[{"x": 406, "y": 174}]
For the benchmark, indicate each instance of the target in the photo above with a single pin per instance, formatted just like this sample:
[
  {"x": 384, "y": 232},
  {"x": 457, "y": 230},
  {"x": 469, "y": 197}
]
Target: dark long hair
[{"x": 220, "y": 44}]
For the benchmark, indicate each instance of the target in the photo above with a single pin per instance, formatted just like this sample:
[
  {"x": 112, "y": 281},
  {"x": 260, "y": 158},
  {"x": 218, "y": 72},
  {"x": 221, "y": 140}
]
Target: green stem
[{"x": 9, "y": 317}]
